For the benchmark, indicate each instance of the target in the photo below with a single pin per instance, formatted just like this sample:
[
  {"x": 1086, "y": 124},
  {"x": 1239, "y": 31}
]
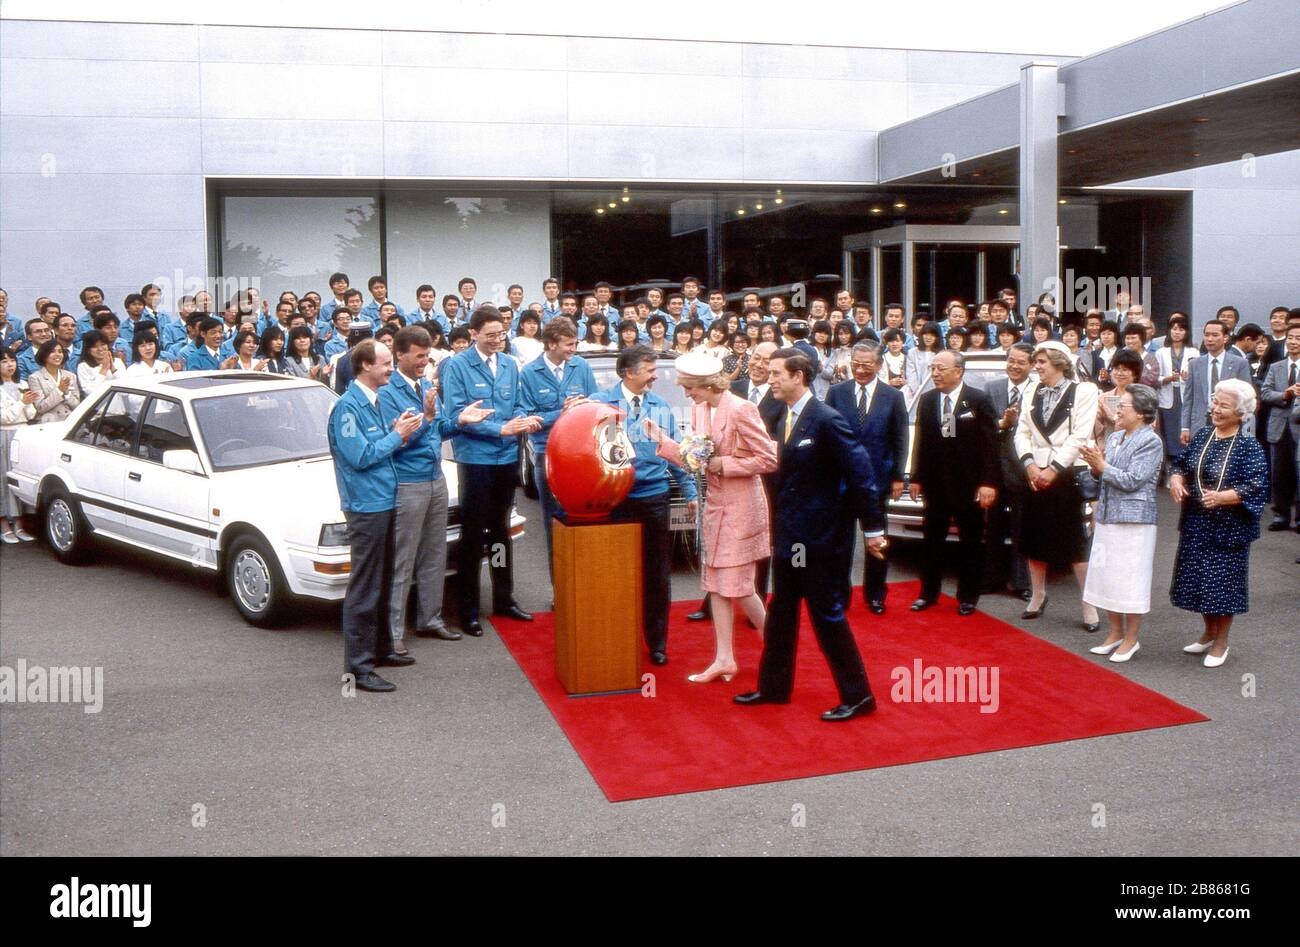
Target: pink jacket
[{"x": 735, "y": 512}]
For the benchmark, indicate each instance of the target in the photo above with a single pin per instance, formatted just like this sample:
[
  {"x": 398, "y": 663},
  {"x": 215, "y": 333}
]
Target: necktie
[
  {"x": 492, "y": 365},
  {"x": 1015, "y": 396},
  {"x": 789, "y": 425},
  {"x": 636, "y": 408},
  {"x": 753, "y": 390},
  {"x": 947, "y": 428},
  {"x": 1214, "y": 376},
  {"x": 1290, "y": 378},
  {"x": 862, "y": 406}
]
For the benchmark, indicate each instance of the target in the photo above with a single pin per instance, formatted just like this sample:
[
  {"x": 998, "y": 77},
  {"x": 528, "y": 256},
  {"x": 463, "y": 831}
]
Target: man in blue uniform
[
  {"x": 648, "y": 501},
  {"x": 488, "y": 455},
  {"x": 378, "y": 287},
  {"x": 552, "y": 383},
  {"x": 363, "y": 447},
  {"x": 205, "y": 355},
  {"x": 420, "y": 529}
]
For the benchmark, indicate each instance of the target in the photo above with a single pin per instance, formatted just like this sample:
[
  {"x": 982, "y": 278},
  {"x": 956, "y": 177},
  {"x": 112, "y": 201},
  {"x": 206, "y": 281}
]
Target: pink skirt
[{"x": 729, "y": 581}]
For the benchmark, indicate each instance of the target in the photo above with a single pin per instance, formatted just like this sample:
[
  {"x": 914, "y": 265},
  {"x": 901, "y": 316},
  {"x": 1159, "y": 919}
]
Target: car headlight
[{"x": 334, "y": 534}]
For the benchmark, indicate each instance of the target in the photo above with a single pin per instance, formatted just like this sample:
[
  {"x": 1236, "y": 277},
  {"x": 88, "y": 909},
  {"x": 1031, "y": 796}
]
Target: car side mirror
[{"x": 186, "y": 461}]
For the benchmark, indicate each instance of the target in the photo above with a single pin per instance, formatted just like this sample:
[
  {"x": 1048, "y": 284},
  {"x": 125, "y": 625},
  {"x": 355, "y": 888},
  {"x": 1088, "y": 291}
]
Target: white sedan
[{"x": 227, "y": 471}]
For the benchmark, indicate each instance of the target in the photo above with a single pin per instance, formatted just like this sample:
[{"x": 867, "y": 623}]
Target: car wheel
[
  {"x": 66, "y": 529},
  {"x": 253, "y": 578}
]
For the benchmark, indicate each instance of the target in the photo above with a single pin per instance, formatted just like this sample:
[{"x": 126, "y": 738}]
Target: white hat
[
  {"x": 1054, "y": 345},
  {"x": 699, "y": 364}
]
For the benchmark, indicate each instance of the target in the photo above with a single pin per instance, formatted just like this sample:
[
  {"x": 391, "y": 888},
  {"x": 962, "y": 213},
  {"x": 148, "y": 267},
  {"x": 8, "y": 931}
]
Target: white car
[{"x": 228, "y": 471}]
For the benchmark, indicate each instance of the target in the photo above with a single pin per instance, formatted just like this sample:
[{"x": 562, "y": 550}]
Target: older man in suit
[
  {"x": 955, "y": 464},
  {"x": 1281, "y": 390},
  {"x": 1219, "y": 361},
  {"x": 877, "y": 415},
  {"x": 823, "y": 472}
]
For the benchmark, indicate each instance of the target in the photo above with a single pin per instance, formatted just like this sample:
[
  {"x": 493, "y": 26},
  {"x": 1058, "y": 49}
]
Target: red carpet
[{"x": 690, "y": 737}]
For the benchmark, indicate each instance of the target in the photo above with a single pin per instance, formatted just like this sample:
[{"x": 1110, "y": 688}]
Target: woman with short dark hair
[
  {"x": 98, "y": 362},
  {"x": 271, "y": 350},
  {"x": 929, "y": 341},
  {"x": 301, "y": 360},
  {"x": 596, "y": 338},
  {"x": 1173, "y": 358},
  {"x": 1124, "y": 532},
  {"x": 56, "y": 388}
]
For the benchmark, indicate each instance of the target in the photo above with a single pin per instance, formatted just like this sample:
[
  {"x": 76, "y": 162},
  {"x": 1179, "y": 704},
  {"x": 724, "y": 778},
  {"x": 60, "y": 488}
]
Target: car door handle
[
  {"x": 133, "y": 476},
  {"x": 66, "y": 458}
]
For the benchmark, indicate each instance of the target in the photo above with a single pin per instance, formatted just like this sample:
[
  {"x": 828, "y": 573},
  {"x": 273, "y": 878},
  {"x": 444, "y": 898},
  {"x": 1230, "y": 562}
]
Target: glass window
[
  {"x": 163, "y": 428},
  {"x": 296, "y": 241},
  {"x": 84, "y": 432},
  {"x": 267, "y": 427},
  {"x": 117, "y": 426}
]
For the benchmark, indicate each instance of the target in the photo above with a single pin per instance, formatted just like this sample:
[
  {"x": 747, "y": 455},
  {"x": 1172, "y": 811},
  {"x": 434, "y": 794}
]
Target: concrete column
[{"x": 1039, "y": 107}]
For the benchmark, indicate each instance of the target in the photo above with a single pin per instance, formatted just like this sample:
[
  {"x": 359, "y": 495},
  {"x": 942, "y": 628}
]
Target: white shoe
[
  {"x": 9, "y": 537},
  {"x": 1106, "y": 648},
  {"x": 1212, "y": 662},
  {"x": 1119, "y": 658},
  {"x": 23, "y": 535},
  {"x": 1197, "y": 647}
]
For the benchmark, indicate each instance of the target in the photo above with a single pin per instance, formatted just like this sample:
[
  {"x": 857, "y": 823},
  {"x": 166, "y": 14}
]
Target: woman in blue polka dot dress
[{"x": 1221, "y": 480}]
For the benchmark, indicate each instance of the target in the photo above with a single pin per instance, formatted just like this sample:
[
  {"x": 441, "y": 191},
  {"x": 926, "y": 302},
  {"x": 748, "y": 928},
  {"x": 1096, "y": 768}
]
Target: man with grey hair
[
  {"x": 955, "y": 464},
  {"x": 877, "y": 415}
]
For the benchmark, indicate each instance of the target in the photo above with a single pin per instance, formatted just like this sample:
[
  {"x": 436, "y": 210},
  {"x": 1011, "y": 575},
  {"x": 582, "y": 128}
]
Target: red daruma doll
[{"x": 589, "y": 462}]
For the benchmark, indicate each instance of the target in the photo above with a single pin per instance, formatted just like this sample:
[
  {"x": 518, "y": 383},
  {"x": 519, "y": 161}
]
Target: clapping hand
[
  {"x": 522, "y": 425},
  {"x": 407, "y": 424},
  {"x": 472, "y": 414},
  {"x": 1094, "y": 457},
  {"x": 64, "y": 381},
  {"x": 30, "y": 397}
]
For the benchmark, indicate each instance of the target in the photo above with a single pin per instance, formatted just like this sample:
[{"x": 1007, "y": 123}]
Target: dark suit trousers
[
  {"x": 1285, "y": 494},
  {"x": 826, "y": 588},
  {"x": 875, "y": 572},
  {"x": 1003, "y": 563},
  {"x": 486, "y": 493},
  {"x": 656, "y": 563},
  {"x": 939, "y": 511},
  {"x": 365, "y": 604}
]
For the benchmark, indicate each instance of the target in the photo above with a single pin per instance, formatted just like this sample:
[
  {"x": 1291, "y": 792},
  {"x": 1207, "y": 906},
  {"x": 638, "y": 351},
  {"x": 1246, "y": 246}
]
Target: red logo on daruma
[{"x": 589, "y": 461}]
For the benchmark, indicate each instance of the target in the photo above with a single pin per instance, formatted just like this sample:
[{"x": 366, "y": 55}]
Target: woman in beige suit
[
  {"x": 56, "y": 389},
  {"x": 1050, "y": 440},
  {"x": 735, "y": 511}
]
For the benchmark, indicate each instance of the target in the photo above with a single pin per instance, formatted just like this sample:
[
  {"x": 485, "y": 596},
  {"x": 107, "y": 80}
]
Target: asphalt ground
[{"x": 202, "y": 710}]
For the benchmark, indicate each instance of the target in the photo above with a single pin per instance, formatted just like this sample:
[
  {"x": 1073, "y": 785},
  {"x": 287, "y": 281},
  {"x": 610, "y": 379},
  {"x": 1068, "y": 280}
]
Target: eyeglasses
[{"x": 491, "y": 336}]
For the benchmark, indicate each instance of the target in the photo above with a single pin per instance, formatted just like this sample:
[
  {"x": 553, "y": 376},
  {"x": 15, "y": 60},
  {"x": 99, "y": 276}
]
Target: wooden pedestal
[{"x": 598, "y": 619}]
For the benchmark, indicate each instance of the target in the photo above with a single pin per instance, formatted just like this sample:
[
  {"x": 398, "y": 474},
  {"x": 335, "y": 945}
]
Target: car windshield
[
  {"x": 981, "y": 371},
  {"x": 602, "y": 366},
  {"x": 265, "y": 427}
]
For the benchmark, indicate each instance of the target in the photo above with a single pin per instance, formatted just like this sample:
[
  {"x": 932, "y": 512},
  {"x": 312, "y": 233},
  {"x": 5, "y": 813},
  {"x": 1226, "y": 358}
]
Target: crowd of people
[{"x": 1094, "y": 411}]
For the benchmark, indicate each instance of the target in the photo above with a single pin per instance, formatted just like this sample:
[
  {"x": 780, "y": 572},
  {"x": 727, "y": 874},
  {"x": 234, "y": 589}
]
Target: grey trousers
[{"x": 421, "y": 554}]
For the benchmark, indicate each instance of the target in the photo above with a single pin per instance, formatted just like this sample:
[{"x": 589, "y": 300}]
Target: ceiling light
[
  {"x": 758, "y": 206},
  {"x": 899, "y": 205},
  {"x": 875, "y": 210},
  {"x": 1063, "y": 201},
  {"x": 740, "y": 212},
  {"x": 779, "y": 200},
  {"x": 1004, "y": 211},
  {"x": 977, "y": 174},
  {"x": 600, "y": 210},
  {"x": 612, "y": 205},
  {"x": 1200, "y": 121},
  {"x": 1196, "y": 154},
  {"x": 626, "y": 198}
]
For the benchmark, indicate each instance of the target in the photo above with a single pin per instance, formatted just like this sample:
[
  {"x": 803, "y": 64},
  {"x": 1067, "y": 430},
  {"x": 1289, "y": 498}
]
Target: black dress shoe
[
  {"x": 1034, "y": 612},
  {"x": 877, "y": 606},
  {"x": 394, "y": 660},
  {"x": 700, "y": 613},
  {"x": 966, "y": 608},
  {"x": 1092, "y": 627},
  {"x": 515, "y": 612},
  {"x": 849, "y": 711},
  {"x": 446, "y": 634},
  {"x": 658, "y": 657},
  {"x": 757, "y": 697},
  {"x": 921, "y": 605},
  {"x": 473, "y": 628},
  {"x": 1278, "y": 525},
  {"x": 1024, "y": 594},
  {"x": 373, "y": 682}
]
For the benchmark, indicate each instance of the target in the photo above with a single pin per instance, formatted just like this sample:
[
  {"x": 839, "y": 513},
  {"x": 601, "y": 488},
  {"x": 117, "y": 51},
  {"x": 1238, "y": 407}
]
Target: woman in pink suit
[{"x": 735, "y": 513}]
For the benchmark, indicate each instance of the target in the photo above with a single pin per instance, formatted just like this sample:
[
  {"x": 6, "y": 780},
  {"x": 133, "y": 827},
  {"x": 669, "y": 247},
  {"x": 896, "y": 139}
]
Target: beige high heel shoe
[{"x": 713, "y": 673}]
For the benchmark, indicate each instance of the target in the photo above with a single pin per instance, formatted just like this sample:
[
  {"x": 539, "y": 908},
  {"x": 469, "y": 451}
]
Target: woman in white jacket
[
  {"x": 17, "y": 406},
  {"x": 1050, "y": 437},
  {"x": 929, "y": 341}
]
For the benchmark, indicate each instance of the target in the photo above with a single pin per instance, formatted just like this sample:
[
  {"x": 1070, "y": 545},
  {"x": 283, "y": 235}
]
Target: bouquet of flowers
[{"x": 696, "y": 451}]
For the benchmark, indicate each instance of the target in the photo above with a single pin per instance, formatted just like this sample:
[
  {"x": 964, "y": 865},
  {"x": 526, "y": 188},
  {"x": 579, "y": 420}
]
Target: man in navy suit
[
  {"x": 823, "y": 472},
  {"x": 877, "y": 414}
]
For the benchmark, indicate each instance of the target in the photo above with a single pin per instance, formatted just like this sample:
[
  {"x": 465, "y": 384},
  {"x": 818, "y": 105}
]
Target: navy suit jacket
[
  {"x": 824, "y": 480},
  {"x": 885, "y": 433}
]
